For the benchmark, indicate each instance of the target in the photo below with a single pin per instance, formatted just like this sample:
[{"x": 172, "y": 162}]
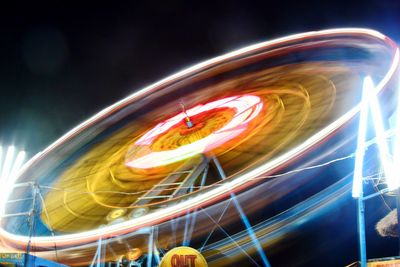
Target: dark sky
[{"x": 62, "y": 61}]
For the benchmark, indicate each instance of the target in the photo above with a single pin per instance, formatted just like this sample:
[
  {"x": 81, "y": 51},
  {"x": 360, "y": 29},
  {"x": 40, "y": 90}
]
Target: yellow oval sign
[{"x": 183, "y": 257}]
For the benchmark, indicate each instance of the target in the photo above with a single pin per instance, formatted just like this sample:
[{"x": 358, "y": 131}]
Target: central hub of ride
[{"x": 197, "y": 130}]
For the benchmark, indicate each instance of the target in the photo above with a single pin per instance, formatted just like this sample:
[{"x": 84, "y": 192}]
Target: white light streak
[
  {"x": 396, "y": 149},
  {"x": 1, "y": 160},
  {"x": 380, "y": 136},
  {"x": 156, "y": 216},
  {"x": 370, "y": 99},
  {"x": 9, "y": 170},
  {"x": 7, "y": 163},
  {"x": 17, "y": 165},
  {"x": 362, "y": 129}
]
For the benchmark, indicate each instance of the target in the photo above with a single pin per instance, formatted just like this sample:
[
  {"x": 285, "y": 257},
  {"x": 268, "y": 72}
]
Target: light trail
[{"x": 248, "y": 177}]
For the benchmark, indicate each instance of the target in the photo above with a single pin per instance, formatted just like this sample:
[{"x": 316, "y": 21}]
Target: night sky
[{"x": 62, "y": 62}]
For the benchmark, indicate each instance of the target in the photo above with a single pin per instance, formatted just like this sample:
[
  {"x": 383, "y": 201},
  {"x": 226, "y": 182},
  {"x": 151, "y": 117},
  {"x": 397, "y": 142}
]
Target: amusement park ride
[{"x": 201, "y": 158}]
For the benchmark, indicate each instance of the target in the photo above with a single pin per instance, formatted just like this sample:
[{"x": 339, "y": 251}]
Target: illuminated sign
[{"x": 183, "y": 257}]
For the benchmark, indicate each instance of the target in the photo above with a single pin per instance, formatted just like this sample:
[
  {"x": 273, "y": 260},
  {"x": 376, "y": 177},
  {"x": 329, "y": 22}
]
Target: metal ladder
[{"x": 178, "y": 183}]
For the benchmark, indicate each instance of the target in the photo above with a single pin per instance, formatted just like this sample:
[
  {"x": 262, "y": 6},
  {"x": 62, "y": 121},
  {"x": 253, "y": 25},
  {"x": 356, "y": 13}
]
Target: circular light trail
[
  {"x": 245, "y": 108},
  {"x": 299, "y": 101}
]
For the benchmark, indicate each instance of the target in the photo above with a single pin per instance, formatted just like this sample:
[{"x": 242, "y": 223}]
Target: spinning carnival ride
[{"x": 210, "y": 157}]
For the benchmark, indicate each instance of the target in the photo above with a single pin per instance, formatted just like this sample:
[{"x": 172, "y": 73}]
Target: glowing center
[{"x": 245, "y": 108}]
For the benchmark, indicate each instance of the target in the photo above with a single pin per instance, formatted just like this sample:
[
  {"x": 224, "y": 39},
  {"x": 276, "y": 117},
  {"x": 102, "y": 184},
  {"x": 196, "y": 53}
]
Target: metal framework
[
  {"x": 178, "y": 184},
  {"x": 370, "y": 101}
]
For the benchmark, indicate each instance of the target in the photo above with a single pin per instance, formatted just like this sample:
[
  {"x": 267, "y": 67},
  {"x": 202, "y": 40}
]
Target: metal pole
[
  {"x": 150, "y": 248},
  {"x": 361, "y": 231},
  {"x": 95, "y": 257},
  {"x": 192, "y": 217},
  {"x": 31, "y": 224},
  {"x": 99, "y": 253},
  {"x": 156, "y": 253},
  {"x": 398, "y": 215},
  {"x": 244, "y": 218},
  {"x": 187, "y": 222}
]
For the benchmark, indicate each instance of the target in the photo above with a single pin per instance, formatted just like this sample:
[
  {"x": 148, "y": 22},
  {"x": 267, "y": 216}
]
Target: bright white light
[
  {"x": 384, "y": 155},
  {"x": 396, "y": 149},
  {"x": 370, "y": 99},
  {"x": 246, "y": 107},
  {"x": 9, "y": 170},
  {"x": 362, "y": 129},
  {"x": 8, "y": 163},
  {"x": 17, "y": 164},
  {"x": 1, "y": 157}
]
